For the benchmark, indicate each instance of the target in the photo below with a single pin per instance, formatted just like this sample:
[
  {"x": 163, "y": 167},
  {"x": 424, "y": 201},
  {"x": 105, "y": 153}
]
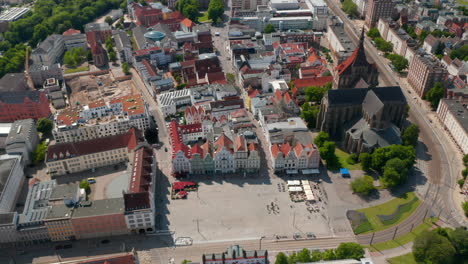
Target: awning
[
  {"x": 293, "y": 172},
  {"x": 295, "y": 189},
  {"x": 310, "y": 171},
  {"x": 293, "y": 183}
]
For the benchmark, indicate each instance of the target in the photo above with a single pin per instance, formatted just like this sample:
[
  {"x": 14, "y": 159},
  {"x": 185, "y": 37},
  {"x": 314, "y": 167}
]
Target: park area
[
  {"x": 384, "y": 215},
  {"x": 403, "y": 259},
  {"x": 345, "y": 162}
]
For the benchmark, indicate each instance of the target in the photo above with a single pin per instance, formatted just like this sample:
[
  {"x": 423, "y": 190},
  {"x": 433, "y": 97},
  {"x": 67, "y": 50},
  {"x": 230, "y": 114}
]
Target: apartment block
[
  {"x": 378, "y": 9},
  {"x": 452, "y": 113},
  {"x": 101, "y": 119},
  {"x": 424, "y": 71},
  {"x": 63, "y": 158}
]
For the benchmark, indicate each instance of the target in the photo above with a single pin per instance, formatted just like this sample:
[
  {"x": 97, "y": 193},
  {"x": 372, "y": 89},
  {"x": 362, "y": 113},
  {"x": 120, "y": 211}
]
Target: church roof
[
  {"x": 372, "y": 103},
  {"x": 356, "y": 95},
  {"x": 357, "y": 58}
]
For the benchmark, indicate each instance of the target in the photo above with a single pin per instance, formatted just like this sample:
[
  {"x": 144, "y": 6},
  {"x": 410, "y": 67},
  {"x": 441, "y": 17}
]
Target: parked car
[{"x": 91, "y": 180}]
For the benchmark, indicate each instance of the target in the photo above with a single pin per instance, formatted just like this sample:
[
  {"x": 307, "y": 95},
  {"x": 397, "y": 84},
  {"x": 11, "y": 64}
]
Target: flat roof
[
  {"x": 6, "y": 165},
  {"x": 13, "y": 13},
  {"x": 59, "y": 211},
  {"x": 99, "y": 207},
  {"x": 64, "y": 191}
]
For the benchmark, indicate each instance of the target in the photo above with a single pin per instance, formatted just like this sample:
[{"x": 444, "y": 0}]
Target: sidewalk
[{"x": 381, "y": 257}]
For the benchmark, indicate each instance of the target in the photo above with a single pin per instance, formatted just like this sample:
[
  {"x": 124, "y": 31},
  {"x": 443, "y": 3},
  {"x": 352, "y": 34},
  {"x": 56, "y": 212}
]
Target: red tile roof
[
  {"x": 187, "y": 22},
  {"x": 68, "y": 116},
  {"x": 181, "y": 147},
  {"x": 96, "y": 104},
  {"x": 223, "y": 141},
  {"x": 71, "y": 31},
  {"x": 196, "y": 149},
  {"x": 149, "y": 68},
  {"x": 240, "y": 143},
  {"x": 75, "y": 149},
  {"x": 252, "y": 147},
  {"x": 191, "y": 128},
  {"x": 136, "y": 201},
  {"x": 125, "y": 259},
  {"x": 285, "y": 148},
  {"x": 275, "y": 150},
  {"x": 253, "y": 93},
  {"x": 140, "y": 178},
  {"x": 316, "y": 81}
]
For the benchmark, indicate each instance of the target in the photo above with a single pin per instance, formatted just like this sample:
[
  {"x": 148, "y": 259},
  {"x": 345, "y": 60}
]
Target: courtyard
[{"x": 243, "y": 208}]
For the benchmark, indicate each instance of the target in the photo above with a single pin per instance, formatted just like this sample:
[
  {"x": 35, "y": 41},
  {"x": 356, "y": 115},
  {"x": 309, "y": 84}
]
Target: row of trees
[
  {"x": 441, "y": 246},
  {"x": 349, "y": 250},
  {"x": 434, "y": 95},
  {"x": 350, "y": 8},
  {"x": 380, "y": 43},
  {"x": 399, "y": 62},
  {"x": 110, "y": 49},
  {"x": 47, "y": 17},
  {"x": 310, "y": 109}
]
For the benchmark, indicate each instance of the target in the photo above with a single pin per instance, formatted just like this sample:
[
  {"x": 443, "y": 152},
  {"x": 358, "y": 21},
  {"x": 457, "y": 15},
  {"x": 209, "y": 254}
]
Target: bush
[
  {"x": 363, "y": 185},
  {"x": 461, "y": 182},
  {"x": 349, "y": 250},
  {"x": 44, "y": 125},
  {"x": 84, "y": 184},
  {"x": 465, "y": 208},
  {"x": 38, "y": 155},
  {"x": 352, "y": 159}
]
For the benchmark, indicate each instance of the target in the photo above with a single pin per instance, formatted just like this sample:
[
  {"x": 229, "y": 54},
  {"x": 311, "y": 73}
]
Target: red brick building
[
  {"x": 97, "y": 32},
  {"x": 146, "y": 15},
  {"x": 99, "y": 218},
  {"x": 17, "y": 105}
]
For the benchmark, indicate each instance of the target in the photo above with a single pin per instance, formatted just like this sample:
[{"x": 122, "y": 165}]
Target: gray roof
[
  {"x": 375, "y": 138},
  {"x": 64, "y": 191},
  {"x": 372, "y": 104},
  {"x": 36, "y": 206},
  {"x": 46, "y": 45},
  {"x": 13, "y": 82},
  {"x": 122, "y": 40},
  {"x": 59, "y": 211},
  {"x": 100, "y": 207},
  {"x": 6, "y": 165},
  {"x": 459, "y": 111},
  {"x": 97, "y": 27},
  {"x": 18, "y": 97},
  {"x": 138, "y": 35},
  {"x": 20, "y": 131},
  {"x": 357, "y": 95}
]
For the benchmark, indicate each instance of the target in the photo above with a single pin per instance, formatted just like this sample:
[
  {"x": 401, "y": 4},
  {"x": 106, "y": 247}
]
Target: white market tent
[
  {"x": 294, "y": 183},
  {"x": 309, "y": 195},
  {"x": 295, "y": 189},
  {"x": 307, "y": 187}
]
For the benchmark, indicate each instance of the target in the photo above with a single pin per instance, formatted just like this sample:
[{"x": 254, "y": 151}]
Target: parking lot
[{"x": 243, "y": 208}]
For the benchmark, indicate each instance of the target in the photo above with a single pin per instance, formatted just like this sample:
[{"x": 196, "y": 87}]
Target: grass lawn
[
  {"x": 404, "y": 239},
  {"x": 134, "y": 45},
  {"x": 204, "y": 17},
  {"x": 342, "y": 156},
  {"x": 463, "y": 2},
  {"x": 389, "y": 208},
  {"x": 77, "y": 69},
  {"x": 403, "y": 259}
]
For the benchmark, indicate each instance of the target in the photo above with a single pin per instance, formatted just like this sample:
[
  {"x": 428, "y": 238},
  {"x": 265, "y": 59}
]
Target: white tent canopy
[
  {"x": 309, "y": 195},
  {"x": 295, "y": 189},
  {"x": 294, "y": 183}
]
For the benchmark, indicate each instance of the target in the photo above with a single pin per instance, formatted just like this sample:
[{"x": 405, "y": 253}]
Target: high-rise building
[
  {"x": 424, "y": 72},
  {"x": 377, "y": 9}
]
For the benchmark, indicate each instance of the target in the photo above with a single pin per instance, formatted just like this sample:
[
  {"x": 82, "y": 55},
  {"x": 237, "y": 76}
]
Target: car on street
[
  {"x": 91, "y": 180},
  {"x": 217, "y": 34},
  {"x": 165, "y": 149}
]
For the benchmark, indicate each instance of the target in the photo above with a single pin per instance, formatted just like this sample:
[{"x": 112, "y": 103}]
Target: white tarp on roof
[
  {"x": 295, "y": 189},
  {"x": 307, "y": 187},
  {"x": 292, "y": 183}
]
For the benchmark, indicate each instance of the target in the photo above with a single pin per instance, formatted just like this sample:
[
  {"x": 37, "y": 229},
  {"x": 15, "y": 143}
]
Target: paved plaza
[{"x": 242, "y": 208}]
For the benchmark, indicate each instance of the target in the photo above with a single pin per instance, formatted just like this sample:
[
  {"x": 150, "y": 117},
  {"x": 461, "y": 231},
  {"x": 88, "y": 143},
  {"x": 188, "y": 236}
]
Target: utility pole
[
  {"x": 394, "y": 234},
  {"x": 372, "y": 238}
]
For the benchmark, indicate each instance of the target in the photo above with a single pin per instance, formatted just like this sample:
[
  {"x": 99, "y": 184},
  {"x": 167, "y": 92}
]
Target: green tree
[
  {"x": 461, "y": 53},
  {"x": 39, "y": 153},
  {"x": 363, "y": 185},
  {"x": 309, "y": 113},
  {"x": 465, "y": 208},
  {"x": 269, "y": 29},
  {"x": 350, "y": 8},
  {"x": 329, "y": 254},
  {"x": 366, "y": 161},
  {"x": 74, "y": 57},
  {"x": 188, "y": 8},
  {"x": 109, "y": 20},
  {"x": 410, "y": 135},
  {"x": 400, "y": 62},
  {"x": 44, "y": 125},
  {"x": 459, "y": 239},
  {"x": 112, "y": 55},
  {"x": 303, "y": 256},
  {"x": 84, "y": 184},
  {"x": 352, "y": 159},
  {"x": 430, "y": 247},
  {"x": 382, "y": 45},
  {"x": 215, "y": 10},
  {"x": 231, "y": 78},
  {"x": 321, "y": 138},
  {"x": 395, "y": 172},
  {"x": 125, "y": 68},
  {"x": 435, "y": 94},
  {"x": 349, "y": 250},
  {"x": 315, "y": 256},
  {"x": 327, "y": 152},
  {"x": 423, "y": 36},
  {"x": 281, "y": 258},
  {"x": 186, "y": 261},
  {"x": 151, "y": 135},
  {"x": 316, "y": 93},
  {"x": 373, "y": 33}
]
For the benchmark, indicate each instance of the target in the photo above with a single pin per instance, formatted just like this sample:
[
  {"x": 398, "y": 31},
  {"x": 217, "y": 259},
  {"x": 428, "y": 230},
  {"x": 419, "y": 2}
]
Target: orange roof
[
  {"x": 316, "y": 81},
  {"x": 275, "y": 150},
  {"x": 287, "y": 97},
  {"x": 71, "y": 31},
  {"x": 253, "y": 93},
  {"x": 196, "y": 149},
  {"x": 252, "y": 146},
  {"x": 298, "y": 149},
  {"x": 133, "y": 105},
  {"x": 240, "y": 143},
  {"x": 285, "y": 148},
  {"x": 187, "y": 22},
  {"x": 68, "y": 116},
  {"x": 96, "y": 104},
  {"x": 223, "y": 141}
]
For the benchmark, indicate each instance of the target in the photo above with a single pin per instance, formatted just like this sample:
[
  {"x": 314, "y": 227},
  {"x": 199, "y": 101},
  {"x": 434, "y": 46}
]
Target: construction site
[{"x": 89, "y": 88}]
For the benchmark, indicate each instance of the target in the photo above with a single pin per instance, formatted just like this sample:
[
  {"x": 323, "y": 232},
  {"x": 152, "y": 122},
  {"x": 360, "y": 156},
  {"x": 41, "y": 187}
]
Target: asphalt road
[{"x": 438, "y": 199}]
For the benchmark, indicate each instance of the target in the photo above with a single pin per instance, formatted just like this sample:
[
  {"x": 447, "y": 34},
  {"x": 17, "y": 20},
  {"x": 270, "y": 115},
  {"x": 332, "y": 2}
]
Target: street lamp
[{"x": 260, "y": 246}]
